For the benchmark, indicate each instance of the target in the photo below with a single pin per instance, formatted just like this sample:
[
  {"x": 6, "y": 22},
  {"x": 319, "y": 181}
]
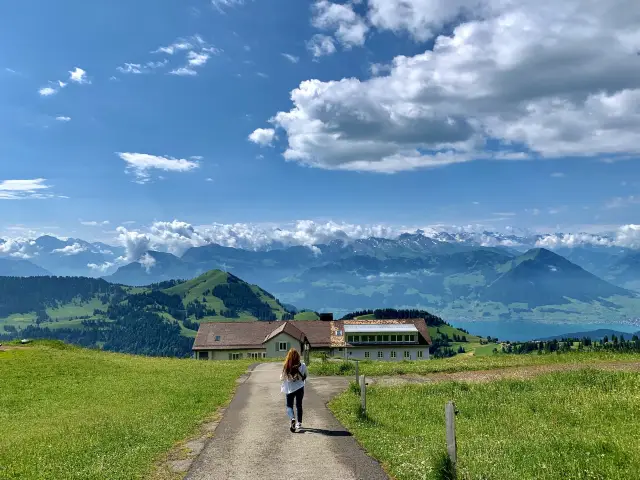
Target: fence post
[
  {"x": 450, "y": 419},
  {"x": 357, "y": 373},
  {"x": 363, "y": 395}
]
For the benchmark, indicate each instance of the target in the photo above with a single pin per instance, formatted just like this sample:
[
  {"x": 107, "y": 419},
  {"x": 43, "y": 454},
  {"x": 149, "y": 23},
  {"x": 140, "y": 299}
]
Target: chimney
[{"x": 326, "y": 317}]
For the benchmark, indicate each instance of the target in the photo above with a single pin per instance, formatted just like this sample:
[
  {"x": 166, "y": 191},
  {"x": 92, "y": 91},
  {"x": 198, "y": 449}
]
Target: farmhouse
[{"x": 390, "y": 340}]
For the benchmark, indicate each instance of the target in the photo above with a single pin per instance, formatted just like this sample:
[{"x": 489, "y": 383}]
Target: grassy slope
[
  {"x": 194, "y": 289},
  {"x": 556, "y": 426},
  {"x": 461, "y": 363},
  {"x": 82, "y": 414},
  {"x": 306, "y": 316}
]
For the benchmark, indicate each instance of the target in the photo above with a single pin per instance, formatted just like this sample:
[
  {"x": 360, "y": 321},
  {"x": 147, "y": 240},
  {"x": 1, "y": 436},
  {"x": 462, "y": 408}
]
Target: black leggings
[{"x": 298, "y": 395}]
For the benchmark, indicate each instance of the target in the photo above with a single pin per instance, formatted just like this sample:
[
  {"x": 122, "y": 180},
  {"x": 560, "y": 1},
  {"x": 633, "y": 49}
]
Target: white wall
[{"x": 358, "y": 353}]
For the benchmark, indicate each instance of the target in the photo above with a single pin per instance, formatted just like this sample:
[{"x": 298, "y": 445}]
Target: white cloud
[
  {"x": 558, "y": 175},
  {"x": 24, "y": 189},
  {"x": 102, "y": 268},
  {"x": 263, "y": 75},
  {"x": 349, "y": 29},
  {"x": 262, "y": 136},
  {"x": 79, "y": 76},
  {"x": 174, "y": 47},
  {"x": 208, "y": 179},
  {"x": 47, "y": 91},
  {"x": 220, "y": 5},
  {"x": 63, "y": 119},
  {"x": 147, "y": 261},
  {"x": 291, "y": 58},
  {"x": 321, "y": 45},
  {"x": 69, "y": 250},
  {"x": 570, "y": 86},
  {"x": 94, "y": 223},
  {"x": 11, "y": 70},
  {"x": 197, "y": 59},
  {"x": 134, "y": 68},
  {"x": 140, "y": 164},
  {"x": 183, "y": 72},
  {"x": 136, "y": 244}
]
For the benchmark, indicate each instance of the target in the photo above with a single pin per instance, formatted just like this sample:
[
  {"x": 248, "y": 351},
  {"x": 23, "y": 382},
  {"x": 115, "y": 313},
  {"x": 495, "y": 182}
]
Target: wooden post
[
  {"x": 357, "y": 373},
  {"x": 363, "y": 395},
  {"x": 450, "y": 419},
  {"x": 307, "y": 356}
]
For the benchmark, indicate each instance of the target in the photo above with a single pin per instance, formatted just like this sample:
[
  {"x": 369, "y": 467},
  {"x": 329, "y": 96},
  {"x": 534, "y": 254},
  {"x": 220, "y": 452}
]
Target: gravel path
[{"x": 253, "y": 439}]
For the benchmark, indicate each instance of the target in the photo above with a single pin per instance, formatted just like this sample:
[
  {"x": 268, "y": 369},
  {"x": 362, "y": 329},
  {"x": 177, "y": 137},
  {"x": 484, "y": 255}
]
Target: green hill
[
  {"x": 152, "y": 320},
  {"x": 68, "y": 412}
]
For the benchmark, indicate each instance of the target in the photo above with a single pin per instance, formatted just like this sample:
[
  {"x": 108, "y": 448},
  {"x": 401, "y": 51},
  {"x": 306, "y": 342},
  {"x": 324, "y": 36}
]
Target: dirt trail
[{"x": 520, "y": 373}]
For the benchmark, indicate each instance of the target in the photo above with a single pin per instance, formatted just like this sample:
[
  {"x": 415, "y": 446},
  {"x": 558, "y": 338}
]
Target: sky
[{"x": 119, "y": 115}]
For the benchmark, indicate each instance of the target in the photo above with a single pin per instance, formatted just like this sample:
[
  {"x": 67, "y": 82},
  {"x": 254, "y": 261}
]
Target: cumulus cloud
[
  {"x": 147, "y": 261},
  {"x": 220, "y": 5},
  {"x": 101, "y": 268},
  {"x": 321, "y": 45},
  {"x": 262, "y": 136},
  {"x": 140, "y": 164},
  {"x": 74, "y": 249},
  {"x": 79, "y": 76},
  {"x": 47, "y": 91},
  {"x": 135, "y": 244},
  {"x": 348, "y": 27},
  {"x": 570, "y": 86},
  {"x": 63, "y": 119}
]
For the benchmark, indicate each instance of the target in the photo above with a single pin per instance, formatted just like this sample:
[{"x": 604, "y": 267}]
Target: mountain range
[{"x": 486, "y": 276}]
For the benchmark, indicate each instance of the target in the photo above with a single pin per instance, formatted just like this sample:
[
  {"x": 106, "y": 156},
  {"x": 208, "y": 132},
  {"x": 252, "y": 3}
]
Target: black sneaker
[{"x": 293, "y": 426}]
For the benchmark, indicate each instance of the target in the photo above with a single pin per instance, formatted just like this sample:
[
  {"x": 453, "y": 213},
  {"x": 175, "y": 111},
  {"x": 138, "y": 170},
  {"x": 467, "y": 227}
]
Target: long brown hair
[{"x": 292, "y": 362}]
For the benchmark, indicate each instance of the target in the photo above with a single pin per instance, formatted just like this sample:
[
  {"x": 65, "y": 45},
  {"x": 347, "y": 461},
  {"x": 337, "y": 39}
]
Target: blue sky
[{"x": 361, "y": 151}]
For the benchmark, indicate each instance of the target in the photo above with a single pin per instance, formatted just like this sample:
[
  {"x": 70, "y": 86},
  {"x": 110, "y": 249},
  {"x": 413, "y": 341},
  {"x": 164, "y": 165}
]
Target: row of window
[
  {"x": 407, "y": 354},
  {"x": 381, "y": 338},
  {"x": 253, "y": 355}
]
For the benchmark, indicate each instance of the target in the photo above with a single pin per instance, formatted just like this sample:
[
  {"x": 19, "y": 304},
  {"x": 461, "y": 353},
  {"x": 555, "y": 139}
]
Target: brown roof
[
  {"x": 233, "y": 334},
  {"x": 320, "y": 334},
  {"x": 289, "y": 329}
]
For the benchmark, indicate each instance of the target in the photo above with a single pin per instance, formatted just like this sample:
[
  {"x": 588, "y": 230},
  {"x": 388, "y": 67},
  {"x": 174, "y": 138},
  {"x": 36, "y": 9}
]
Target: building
[{"x": 391, "y": 340}]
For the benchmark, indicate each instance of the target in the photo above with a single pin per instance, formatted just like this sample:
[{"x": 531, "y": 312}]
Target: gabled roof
[{"x": 289, "y": 329}]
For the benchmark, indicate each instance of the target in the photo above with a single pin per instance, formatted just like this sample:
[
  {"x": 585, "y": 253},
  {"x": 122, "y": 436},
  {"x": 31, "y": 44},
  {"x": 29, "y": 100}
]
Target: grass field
[
  {"x": 570, "y": 425},
  {"x": 71, "y": 413},
  {"x": 302, "y": 316},
  {"x": 461, "y": 363}
]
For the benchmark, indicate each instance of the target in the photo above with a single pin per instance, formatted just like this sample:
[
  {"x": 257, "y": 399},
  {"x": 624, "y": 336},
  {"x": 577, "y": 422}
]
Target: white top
[
  {"x": 290, "y": 386},
  {"x": 387, "y": 328}
]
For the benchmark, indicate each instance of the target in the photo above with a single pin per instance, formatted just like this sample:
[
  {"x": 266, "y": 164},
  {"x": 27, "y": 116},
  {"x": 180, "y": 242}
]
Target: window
[
  {"x": 385, "y": 338},
  {"x": 380, "y": 354},
  {"x": 356, "y": 338},
  {"x": 366, "y": 355},
  {"x": 407, "y": 354},
  {"x": 282, "y": 346},
  {"x": 412, "y": 338},
  {"x": 393, "y": 338},
  {"x": 393, "y": 355},
  {"x": 257, "y": 355},
  {"x": 235, "y": 356},
  {"x": 407, "y": 338},
  {"x": 419, "y": 353},
  {"x": 379, "y": 338},
  {"x": 204, "y": 356},
  {"x": 217, "y": 338},
  {"x": 372, "y": 338}
]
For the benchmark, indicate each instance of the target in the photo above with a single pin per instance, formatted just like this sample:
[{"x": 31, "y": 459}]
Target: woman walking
[{"x": 293, "y": 376}]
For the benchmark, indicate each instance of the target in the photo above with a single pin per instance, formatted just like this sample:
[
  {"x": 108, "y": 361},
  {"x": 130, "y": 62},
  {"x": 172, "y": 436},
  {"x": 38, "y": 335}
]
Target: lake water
[{"x": 526, "y": 330}]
